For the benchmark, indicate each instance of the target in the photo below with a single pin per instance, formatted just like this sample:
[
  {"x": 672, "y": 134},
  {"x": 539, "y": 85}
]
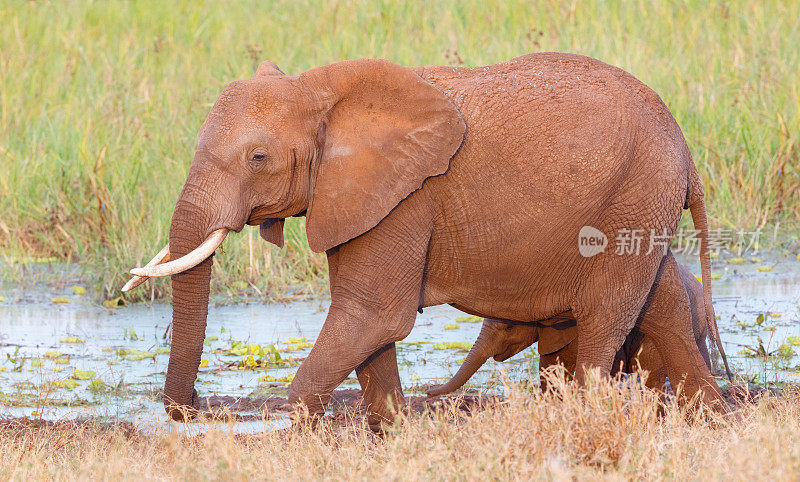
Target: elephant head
[
  {"x": 342, "y": 144},
  {"x": 504, "y": 340},
  {"x": 496, "y": 339}
]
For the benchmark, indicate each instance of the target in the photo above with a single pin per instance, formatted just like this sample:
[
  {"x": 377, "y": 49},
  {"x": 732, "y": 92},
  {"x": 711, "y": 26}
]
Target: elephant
[
  {"x": 499, "y": 190},
  {"x": 556, "y": 337}
]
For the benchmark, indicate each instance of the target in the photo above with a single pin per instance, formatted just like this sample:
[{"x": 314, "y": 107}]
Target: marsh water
[{"x": 65, "y": 357}]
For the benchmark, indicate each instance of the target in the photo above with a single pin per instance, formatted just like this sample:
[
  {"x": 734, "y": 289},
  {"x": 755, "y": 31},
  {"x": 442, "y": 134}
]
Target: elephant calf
[{"x": 556, "y": 338}]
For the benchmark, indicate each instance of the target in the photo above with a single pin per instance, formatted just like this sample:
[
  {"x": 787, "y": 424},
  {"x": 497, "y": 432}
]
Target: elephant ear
[
  {"x": 384, "y": 131},
  {"x": 552, "y": 339}
]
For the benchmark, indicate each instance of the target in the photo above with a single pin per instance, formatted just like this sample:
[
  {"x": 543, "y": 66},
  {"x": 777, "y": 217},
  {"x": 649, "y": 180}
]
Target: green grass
[{"x": 100, "y": 103}]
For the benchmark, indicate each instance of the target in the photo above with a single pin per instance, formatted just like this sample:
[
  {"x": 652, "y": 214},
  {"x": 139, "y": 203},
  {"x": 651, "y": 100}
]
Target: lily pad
[
  {"x": 297, "y": 346},
  {"x": 469, "y": 319},
  {"x": 97, "y": 385},
  {"x": 137, "y": 355},
  {"x": 83, "y": 374},
  {"x": 69, "y": 384},
  {"x": 765, "y": 268},
  {"x": 60, "y": 299},
  {"x": 118, "y": 302},
  {"x": 269, "y": 378},
  {"x": 72, "y": 339},
  {"x": 78, "y": 290},
  {"x": 736, "y": 261},
  {"x": 452, "y": 345},
  {"x": 451, "y": 326},
  {"x": 785, "y": 351}
]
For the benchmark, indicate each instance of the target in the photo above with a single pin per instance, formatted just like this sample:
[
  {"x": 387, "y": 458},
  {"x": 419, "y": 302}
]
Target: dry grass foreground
[{"x": 607, "y": 431}]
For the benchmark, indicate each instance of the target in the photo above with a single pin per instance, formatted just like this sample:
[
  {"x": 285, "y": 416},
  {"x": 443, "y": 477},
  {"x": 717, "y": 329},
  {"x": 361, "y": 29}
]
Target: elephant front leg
[
  {"x": 375, "y": 291},
  {"x": 380, "y": 383},
  {"x": 352, "y": 338}
]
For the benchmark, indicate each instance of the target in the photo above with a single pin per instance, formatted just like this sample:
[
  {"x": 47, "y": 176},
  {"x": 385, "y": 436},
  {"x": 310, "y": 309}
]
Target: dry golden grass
[{"x": 602, "y": 432}]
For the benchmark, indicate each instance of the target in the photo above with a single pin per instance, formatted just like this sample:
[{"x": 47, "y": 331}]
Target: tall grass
[{"x": 100, "y": 103}]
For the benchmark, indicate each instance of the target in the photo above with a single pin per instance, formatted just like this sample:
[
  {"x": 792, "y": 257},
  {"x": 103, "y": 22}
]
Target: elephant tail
[{"x": 697, "y": 207}]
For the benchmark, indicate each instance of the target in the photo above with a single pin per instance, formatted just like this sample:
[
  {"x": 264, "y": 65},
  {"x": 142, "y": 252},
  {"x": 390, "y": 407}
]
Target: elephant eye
[{"x": 259, "y": 157}]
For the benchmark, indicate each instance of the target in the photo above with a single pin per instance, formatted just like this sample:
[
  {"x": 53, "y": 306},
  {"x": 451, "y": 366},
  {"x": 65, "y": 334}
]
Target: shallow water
[{"x": 32, "y": 328}]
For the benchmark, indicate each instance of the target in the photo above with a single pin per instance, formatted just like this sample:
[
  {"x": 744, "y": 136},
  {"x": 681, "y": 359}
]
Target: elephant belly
[{"x": 519, "y": 279}]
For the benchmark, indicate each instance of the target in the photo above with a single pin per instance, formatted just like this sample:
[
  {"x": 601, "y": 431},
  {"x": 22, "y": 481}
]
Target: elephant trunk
[
  {"x": 190, "y": 293},
  {"x": 477, "y": 356}
]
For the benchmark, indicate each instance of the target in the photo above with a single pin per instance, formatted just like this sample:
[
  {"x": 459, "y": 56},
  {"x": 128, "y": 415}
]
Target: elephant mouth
[
  {"x": 161, "y": 265},
  {"x": 259, "y": 216}
]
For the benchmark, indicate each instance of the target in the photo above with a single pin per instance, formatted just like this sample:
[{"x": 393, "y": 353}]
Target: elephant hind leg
[{"x": 607, "y": 309}]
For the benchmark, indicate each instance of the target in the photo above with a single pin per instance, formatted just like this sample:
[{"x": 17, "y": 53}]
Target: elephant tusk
[
  {"x": 161, "y": 257},
  {"x": 189, "y": 261}
]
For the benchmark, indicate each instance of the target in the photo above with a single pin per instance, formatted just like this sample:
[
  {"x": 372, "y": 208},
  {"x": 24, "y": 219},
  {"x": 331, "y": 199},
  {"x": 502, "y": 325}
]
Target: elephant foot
[
  {"x": 182, "y": 413},
  {"x": 307, "y": 407},
  {"x": 707, "y": 394}
]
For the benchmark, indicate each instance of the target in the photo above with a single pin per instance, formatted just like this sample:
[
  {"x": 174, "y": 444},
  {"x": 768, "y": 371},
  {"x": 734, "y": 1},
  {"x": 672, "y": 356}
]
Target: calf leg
[
  {"x": 649, "y": 360},
  {"x": 667, "y": 322},
  {"x": 565, "y": 357}
]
